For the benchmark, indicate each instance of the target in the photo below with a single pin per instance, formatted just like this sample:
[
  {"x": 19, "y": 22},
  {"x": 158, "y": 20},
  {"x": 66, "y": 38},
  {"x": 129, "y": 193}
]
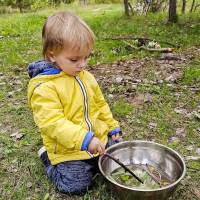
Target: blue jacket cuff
[
  {"x": 87, "y": 140},
  {"x": 114, "y": 131}
]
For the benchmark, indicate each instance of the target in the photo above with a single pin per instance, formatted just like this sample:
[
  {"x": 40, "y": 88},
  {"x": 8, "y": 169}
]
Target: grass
[{"x": 21, "y": 172}]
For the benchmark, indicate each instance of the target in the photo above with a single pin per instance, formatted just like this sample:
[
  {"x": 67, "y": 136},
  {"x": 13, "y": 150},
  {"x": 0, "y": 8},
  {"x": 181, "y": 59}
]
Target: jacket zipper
[{"x": 85, "y": 102}]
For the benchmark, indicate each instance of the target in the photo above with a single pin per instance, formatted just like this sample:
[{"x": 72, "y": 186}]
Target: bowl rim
[{"x": 144, "y": 190}]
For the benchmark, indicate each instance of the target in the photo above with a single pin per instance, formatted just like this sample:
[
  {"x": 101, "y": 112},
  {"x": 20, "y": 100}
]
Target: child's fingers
[
  {"x": 116, "y": 137},
  {"x": 103, "y": 148},
  {"x": 100, "y": 150}
]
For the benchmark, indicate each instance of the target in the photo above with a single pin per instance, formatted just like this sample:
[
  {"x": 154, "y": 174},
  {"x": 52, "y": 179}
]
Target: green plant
[{"x": 122, "y": 108}]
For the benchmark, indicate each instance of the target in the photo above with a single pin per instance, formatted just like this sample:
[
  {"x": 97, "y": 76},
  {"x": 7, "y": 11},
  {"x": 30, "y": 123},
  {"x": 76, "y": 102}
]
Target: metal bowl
[{"x": 143, "y": 152}]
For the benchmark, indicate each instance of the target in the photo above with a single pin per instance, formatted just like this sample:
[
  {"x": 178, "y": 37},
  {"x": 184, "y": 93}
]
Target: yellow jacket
[{"x": 69, "y": 110}]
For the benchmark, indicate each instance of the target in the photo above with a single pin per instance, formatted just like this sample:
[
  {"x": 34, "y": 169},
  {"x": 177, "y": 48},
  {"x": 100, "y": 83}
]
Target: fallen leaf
[
  {"x": 197, "y": 114},
  {"x": 17, "y": 135},
  {"x": 174, "y": 139},
  {"x": 152, "y": 125},
  {"x": 173, "y": 77},
  {"x": 14, "y": 134},
  {"x": 148, "y": 98},
  {"x": 29, "y": 184},
  {"x": 190, "y": 148},
  {"x": 180, "y": 111},
  {"x": 180, "y": 132}
]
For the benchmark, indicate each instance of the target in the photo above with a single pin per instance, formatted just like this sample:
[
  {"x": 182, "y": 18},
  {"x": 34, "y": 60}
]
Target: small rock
[
  {"x": 119, "y": 79},
  {"x": 110, "y": 96}
]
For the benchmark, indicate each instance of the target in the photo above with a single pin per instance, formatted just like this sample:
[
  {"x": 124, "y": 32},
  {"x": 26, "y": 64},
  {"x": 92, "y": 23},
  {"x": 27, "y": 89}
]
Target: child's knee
[
  {"x": 72, "y": 177},
  {"x": 75, "y": 188}
]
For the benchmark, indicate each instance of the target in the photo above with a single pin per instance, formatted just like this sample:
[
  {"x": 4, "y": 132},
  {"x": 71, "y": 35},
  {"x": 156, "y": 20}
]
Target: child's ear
[{"x": 51, "y": 56}]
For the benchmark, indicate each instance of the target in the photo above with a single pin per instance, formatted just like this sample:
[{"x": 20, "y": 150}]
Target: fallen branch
[
  {"x": 139, "y": 38},
  {"x": 163, "y": 50},
  {"x": 193, "y": 158}
]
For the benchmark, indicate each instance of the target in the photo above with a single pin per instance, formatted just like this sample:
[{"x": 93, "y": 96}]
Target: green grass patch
[
  {"x": 192, "y": 75},
  {"x": 121, "y": 109}
]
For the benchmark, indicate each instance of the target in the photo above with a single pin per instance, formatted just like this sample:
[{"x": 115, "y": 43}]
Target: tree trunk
[
  {"x": 172, "y": 11},
  {"x": 192, "y": 6},
  {"x": 83, "y": 2},
  {"x": 20, "y": 5},
  {"x": 126, "y": 7},
  {"x": 183, "y": 6}
]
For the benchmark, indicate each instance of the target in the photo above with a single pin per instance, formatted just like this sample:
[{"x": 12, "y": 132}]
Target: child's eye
[{"x": 73, "y": 60}]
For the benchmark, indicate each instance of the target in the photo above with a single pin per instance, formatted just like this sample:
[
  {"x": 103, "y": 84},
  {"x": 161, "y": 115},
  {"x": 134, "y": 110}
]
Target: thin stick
[
  {"x": 124, "y": 166},
  {"x": 152, "y": 175}
]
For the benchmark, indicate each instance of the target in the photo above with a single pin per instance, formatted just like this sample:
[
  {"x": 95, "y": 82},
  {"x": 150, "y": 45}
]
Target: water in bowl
[{"x": 151, "y": 177}]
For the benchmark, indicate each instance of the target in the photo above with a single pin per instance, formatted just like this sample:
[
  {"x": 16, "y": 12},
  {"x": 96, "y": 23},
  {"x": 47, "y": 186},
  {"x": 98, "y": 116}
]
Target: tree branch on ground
[
  {"x": 163, "y": 50},
  {"x": 139, "y": 38}
]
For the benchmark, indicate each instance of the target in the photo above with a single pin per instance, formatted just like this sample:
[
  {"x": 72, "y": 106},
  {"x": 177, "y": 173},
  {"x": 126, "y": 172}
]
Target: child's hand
[
  {"x": 116, "y": 137},
  {"x": 96, "y": 146}
]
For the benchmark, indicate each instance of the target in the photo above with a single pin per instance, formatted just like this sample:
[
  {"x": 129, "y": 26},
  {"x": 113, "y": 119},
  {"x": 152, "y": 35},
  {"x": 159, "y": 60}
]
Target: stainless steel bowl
[{"x": 143, "y": 152}]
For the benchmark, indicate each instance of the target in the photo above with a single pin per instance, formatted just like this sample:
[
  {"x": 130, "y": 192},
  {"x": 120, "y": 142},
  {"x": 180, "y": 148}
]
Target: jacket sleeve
[
  {"x": 105, "y": 112},
  {"x": 49, "y": 116}
]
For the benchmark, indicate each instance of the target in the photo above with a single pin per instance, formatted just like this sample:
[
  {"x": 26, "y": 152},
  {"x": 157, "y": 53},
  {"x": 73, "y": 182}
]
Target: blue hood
[{"x": 42, "y": 67}]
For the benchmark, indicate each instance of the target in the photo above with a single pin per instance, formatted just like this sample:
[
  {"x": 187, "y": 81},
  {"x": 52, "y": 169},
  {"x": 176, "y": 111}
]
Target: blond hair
[{"x": 65, "y": 29}]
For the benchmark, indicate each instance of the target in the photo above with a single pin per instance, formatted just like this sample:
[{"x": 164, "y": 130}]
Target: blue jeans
[{"x": 74, "y": 177}]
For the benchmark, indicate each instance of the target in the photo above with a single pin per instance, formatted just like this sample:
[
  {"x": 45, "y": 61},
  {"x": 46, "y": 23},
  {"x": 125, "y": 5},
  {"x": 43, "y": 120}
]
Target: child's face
[{"x": 71, "y": 62}]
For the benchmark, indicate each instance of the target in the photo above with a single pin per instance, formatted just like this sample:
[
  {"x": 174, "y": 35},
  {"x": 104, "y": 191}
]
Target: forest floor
[{"x": 154, "y": 96}]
